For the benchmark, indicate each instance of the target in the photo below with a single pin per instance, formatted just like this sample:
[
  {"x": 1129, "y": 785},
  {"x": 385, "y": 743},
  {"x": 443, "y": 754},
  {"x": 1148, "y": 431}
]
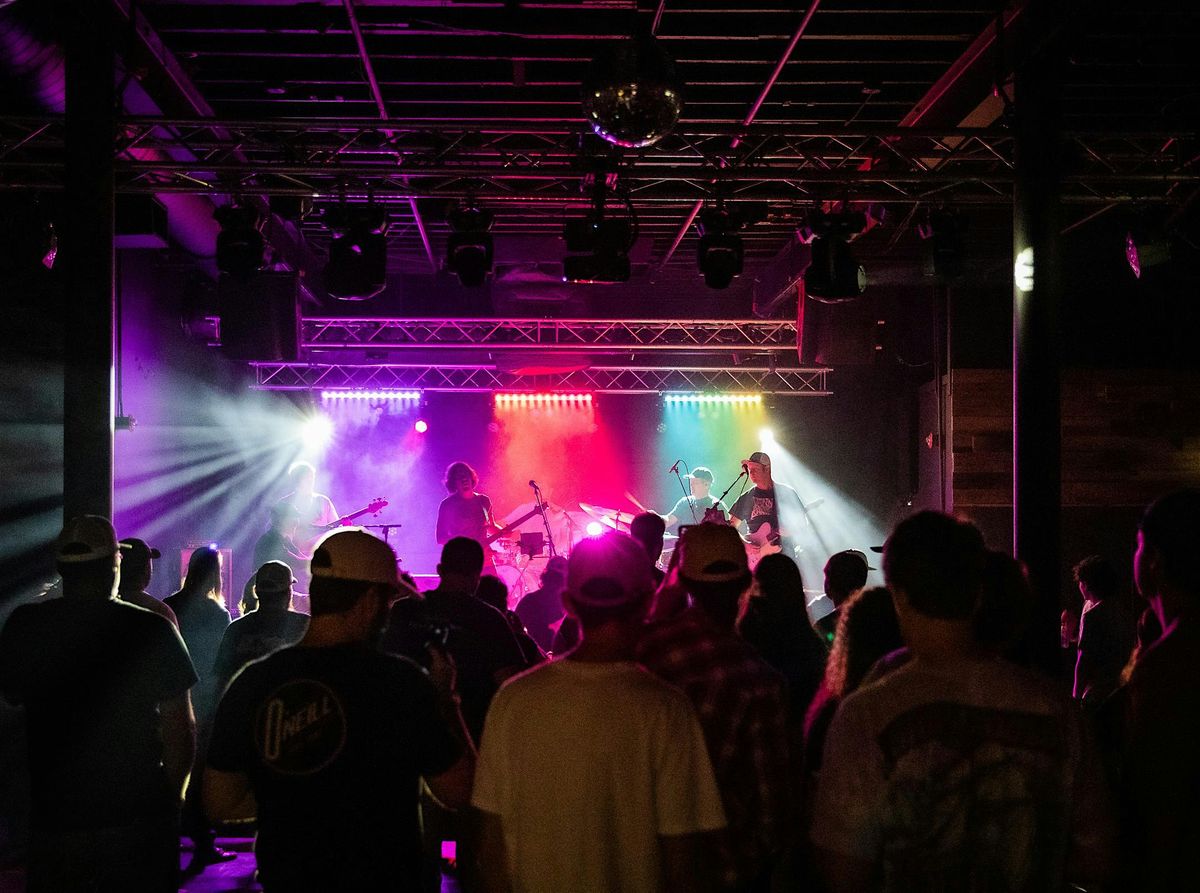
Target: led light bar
[
  {"x": 739, "y": 399},
  {"x": 555, "y": 399},
  {"x": 370, "y": 395}
]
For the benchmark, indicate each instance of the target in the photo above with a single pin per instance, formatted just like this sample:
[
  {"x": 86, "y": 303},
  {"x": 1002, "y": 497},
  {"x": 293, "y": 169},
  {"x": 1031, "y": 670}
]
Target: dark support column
[
  {"x": 87, "y": 254},
  {"x": 1037, "y": 294}
]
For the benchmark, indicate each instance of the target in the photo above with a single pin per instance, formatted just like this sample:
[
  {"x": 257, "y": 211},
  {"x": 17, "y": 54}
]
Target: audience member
[
  {"x": 105, "y": 690},
  {"x": 494, "y": 592},
  {"x": 271, "y": 626},
  {"x": 541, "y": 609},
  {"x": 137, "y": 569},
  {"x": 958, "y": 770},
  {"x": 867, "y": 630},
  {"x": 593, "y": 774},
  {"x": 324, "y": 742},
  {"x": 776, "y": 624},
  {"x": 1159, "y": 773},
  {"x": 740, "y": 699},
  {"x": 485, "y": 652},
  {"x": 1105, "y": 631},
  {"x": 845, "y": 574},
  {"x": 279, "y": 541},
  {"x": 648, "y": 530},
  {"x": 476, "y": 635},
  {"x": 1003, "y": 617},
  {"x": 202, "y": 622}
]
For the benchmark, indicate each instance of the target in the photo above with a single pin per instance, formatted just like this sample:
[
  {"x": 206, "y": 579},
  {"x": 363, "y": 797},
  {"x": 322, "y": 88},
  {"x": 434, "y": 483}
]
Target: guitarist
[
  {"x": 465, "y": 512},
  {"x": 760, "y": 508},
  {"x": 315, "y": 510}
]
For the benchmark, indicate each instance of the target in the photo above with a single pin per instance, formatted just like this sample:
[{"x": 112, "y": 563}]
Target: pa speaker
[{"x": 260, "y": 317}]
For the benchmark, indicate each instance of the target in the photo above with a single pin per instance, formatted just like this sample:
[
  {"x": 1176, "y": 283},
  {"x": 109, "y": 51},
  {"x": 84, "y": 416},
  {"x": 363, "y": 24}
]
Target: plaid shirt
[{"x": 742, "y": 705}]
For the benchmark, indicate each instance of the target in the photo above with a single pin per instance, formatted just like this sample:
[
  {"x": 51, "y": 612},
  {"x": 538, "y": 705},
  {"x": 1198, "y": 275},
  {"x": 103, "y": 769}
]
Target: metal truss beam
[
  {"x": 574, "y": 335},
  {"x": 508, "y": 161},
  {"x": 809, "y": 382}
]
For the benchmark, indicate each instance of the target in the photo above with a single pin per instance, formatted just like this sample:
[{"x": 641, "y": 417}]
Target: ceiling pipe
[
  {"x": 377, "y": 95},
  {"x": 746, "y": 122}
]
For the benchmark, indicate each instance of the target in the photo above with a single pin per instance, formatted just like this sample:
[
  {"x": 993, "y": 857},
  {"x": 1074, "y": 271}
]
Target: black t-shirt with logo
[
  {"x": 91, "y": 673},
  {"x": 333, "y": 741}
]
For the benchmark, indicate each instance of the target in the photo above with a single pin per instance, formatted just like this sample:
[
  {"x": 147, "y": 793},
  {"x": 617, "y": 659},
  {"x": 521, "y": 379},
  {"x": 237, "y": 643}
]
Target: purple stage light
[{"x": 421, "y": 426}]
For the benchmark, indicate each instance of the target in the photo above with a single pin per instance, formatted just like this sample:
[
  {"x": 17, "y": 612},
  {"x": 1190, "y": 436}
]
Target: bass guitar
[{"x": 375, "y": 505}]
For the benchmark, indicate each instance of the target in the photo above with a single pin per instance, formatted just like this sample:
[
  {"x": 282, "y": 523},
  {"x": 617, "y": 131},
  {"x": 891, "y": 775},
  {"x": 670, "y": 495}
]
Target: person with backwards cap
[
  {"x": 325, "y": 741},
  {"x": 593, "y": 774},
  {"x": 105, "y": 687}
]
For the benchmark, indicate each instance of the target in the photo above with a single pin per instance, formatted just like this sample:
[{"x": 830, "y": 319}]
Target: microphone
[
  {"x": 534, "y": 485},
  {"x": 674, "y": 468},
  {"x": 744, "y": 467}
]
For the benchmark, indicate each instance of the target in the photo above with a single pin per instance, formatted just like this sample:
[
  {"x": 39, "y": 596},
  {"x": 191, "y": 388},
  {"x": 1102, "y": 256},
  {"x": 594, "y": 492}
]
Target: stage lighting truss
[
  {"x": 465, "y": 378},
  {"x": 728, "y": 399},
  {"x": 509, "y": 400},
  {"x": 574, "y": 335}
]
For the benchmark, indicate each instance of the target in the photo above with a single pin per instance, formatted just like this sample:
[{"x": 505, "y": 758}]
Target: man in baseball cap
[
  {"x": 137, "y": 568},
  {"x": 271, "y": 626},
  {"x": 690, "y": 509},
  {"x": 738, "y": 696},
  {"x": 333, "y": 721},
  {"x": 599, "y": 725},
  {"x": 109, "y": 723}
]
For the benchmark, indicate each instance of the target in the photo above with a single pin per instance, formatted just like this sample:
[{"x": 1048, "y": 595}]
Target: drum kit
[{"x": 522, "y": 571}]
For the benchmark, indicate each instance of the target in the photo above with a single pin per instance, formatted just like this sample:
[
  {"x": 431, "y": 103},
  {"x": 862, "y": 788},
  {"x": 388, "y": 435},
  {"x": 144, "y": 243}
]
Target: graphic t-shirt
[
  {"x": 587, "y": 764},
  {"x": 333, "y": 741},
  {"x": 91, "y": 673},
  {"x": 972, "y": 775}
]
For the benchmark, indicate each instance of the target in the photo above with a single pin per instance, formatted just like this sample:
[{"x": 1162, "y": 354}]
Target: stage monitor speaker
[{"x": 260, "y": 317}]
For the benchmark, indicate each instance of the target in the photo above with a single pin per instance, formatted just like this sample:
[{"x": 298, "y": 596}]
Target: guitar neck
[{"x": 492, "y": 537}]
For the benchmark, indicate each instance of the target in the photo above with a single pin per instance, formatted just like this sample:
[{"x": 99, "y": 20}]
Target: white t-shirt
[
  {"x": 587, "y": 764},
  {"x": 946, "y": 775}
]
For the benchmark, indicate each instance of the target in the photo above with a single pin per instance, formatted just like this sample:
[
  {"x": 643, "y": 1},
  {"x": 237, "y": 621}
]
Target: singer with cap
[
  {"x": 771, "y": 511},
  {"x": 690, "y": 509}
]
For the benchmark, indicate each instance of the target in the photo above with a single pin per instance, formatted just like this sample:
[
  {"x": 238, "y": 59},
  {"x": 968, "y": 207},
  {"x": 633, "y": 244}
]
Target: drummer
[{"x": 691, "y": 509}]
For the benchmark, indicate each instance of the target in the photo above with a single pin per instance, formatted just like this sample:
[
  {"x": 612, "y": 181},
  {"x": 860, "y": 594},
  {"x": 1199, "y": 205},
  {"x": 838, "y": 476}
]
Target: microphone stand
[
  {"x": 721, "y": 499},
  {"x": 541, "y": 507},
  {"x": 687, "y": 493}
]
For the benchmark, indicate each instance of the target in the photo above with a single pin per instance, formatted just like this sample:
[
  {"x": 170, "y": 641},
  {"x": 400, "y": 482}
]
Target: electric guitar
[
  {"x": 763, "y": 542},
  {"x": 510, "y": 526},
  {"x": 371, "y": 508}
]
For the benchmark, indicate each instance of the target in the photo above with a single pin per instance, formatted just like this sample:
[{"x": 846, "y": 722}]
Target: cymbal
[{"x": 614, "y": 518}]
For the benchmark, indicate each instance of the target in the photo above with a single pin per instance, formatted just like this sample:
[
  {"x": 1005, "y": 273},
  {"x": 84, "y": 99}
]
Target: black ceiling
[{"x": 483, "y": 98}]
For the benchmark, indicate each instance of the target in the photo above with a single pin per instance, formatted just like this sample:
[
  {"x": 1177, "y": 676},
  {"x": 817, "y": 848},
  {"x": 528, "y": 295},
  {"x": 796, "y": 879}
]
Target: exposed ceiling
[{"x": 420, "y": 103}]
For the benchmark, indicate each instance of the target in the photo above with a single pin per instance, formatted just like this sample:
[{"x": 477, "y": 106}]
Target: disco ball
[{"x": 632, "y": 95}]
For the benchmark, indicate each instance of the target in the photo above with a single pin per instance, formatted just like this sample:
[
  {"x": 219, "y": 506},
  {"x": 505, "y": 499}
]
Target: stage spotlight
[
  {"x": 421, "y": 426},
  {"x": 239, "y": 242},
  {"x": 766, "y": 437},
  {"x": 316, "y": 432},
  {"x": 469, "y": 248},
  {"x": 357, "y": 268},
  {"x": 594, "y": 528},
  {"x": 631, "y": 94},
  {"x": 720, "y": 254},
  {"x": 834, "y": 276}
]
